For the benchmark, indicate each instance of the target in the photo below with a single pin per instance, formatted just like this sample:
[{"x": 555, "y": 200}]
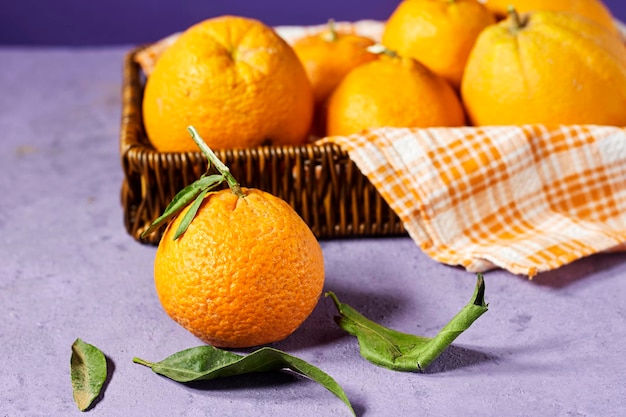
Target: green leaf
[
  {"x": 207, "y": 362},
  {"x": 183, "y": 198},
  {"x": 191, "y": 213},
  {"x": 88, "y": 370},
  {"x": 402, "y": 351}
]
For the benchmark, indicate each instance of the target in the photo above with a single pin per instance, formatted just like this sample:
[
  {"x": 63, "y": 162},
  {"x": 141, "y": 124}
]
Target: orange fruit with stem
[
  {"x": 595, "y": 10},
  {"x": 237, "y": 267},
  {"x": 438, "y": 33},
  {"x": 392, "y": 91},
  {"x": 233, "y": 78},
  {"x": 548, "y": 68},
  {"x": 327, "y": 57}
]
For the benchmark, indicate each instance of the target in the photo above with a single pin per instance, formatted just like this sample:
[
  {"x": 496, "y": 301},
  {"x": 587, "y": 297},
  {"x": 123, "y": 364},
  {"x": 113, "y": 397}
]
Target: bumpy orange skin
[
  {"x": 393, "y": 92},
  {"x": 327, "y": 60},
  {"x": 236, "y": 81},
  {"x": 438, "y": 33},
  {"x": 591, "y": 9},
  {"x": 247, "y": 272},
  {"x": 558, "y": 68}
]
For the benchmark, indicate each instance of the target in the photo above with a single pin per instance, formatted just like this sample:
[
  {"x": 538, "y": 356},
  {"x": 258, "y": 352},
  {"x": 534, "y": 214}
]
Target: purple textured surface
[{"x": 553, "y": 346}]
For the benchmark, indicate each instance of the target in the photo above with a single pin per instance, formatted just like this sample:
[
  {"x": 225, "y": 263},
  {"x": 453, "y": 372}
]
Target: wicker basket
[{"x": 320, "y": 182}]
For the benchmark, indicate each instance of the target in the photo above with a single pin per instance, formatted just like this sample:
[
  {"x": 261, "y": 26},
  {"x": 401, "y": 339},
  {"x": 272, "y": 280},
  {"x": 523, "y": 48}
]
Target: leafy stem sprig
[
  {"x": 219, "y": 165},
  {"x": 195, "y": 192}
]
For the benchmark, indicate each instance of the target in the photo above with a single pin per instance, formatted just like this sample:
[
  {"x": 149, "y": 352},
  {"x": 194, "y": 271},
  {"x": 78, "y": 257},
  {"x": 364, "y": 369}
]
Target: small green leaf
[
  {"x": 233, "y": 184},
  {"x": 191, "y": 213},
  {"x": 88, "y": 370},
  {"x": 402, "y": 351},
  {"x": 183, "y": 198},
  {"x": 207, "y": 362}
]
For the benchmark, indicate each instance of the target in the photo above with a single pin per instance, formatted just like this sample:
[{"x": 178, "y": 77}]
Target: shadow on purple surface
[
  {"x": 258, "y": 383},
  {"x": 456, "y": 357},
  {"x": 580, "y": 269},
  {"x": 320, "y": 328},
  {"x": 254, "y": 381}
]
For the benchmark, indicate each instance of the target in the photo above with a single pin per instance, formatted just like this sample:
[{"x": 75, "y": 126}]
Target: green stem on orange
[
  {"x": 331, "y": 35},
  {"x": 219, "y": 165},
  {"x": 379, "y": 49},
  {"x": 515, "y": 18}
]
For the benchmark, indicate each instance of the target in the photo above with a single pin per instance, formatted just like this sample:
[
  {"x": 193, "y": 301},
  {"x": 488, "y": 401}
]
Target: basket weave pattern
[{"x": 319, "y": 181}]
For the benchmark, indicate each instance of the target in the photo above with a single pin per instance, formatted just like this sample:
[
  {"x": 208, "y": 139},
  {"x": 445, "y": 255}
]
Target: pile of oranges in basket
[
  {"x": 437, "y": 63},
  {"x": 247, "y": 270}
]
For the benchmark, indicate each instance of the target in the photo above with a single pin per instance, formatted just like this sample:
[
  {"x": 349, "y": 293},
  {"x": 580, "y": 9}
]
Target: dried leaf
[{"x": 88, "y": 370}]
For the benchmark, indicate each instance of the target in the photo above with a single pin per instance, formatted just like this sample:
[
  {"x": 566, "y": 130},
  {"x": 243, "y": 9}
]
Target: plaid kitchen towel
[{"x": 524, "y": 198}]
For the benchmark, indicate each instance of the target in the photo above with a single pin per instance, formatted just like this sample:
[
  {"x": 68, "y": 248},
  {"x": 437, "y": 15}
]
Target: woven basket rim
[
  {"x": 318, "y": 179},
  {"x": 132, "y": 71}
]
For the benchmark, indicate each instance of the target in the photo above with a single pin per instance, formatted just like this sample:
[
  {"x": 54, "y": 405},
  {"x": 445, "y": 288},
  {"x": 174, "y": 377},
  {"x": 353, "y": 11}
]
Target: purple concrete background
[
  {"x": 549, "y": 347},
  {"x": 98, "y": 22}
]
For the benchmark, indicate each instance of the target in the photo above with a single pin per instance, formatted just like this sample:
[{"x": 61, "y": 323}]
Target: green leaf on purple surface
[
  {"x": 402, "y": 351},
  {"x": 207, "y": 363},
  {"x": 88, "y": 371}
]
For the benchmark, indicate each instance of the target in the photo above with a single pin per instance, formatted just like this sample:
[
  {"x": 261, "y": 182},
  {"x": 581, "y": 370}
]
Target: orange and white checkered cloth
[{"x": 527, "y": 199}]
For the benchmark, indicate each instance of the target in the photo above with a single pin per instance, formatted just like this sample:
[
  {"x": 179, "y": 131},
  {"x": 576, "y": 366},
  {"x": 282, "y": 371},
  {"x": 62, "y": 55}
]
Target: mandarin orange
[
  {"x": 233, "y": 78},
  {"x": 546, "y": 67},
  {"x": 236, "y": 267},
  {"x": 595, "y": 10},
  {"x": 392, "y": 91},
  {"x": 438, "y": 33},
  {"x": 246, "y": 272},
  {"x": 327, "y": 57}
]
